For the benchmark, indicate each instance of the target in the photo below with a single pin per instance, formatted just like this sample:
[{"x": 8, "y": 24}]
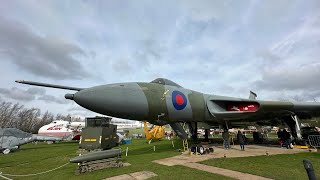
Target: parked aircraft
[
  {"x": 72, "y": 130},
  {"x": 61, "y": 128},
  {"x": 12, "y": 138},
  {"x": 165, "y": 102}
]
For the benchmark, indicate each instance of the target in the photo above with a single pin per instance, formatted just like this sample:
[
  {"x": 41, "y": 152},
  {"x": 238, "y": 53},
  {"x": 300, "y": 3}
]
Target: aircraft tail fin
[{"x": 252, "y": 95}]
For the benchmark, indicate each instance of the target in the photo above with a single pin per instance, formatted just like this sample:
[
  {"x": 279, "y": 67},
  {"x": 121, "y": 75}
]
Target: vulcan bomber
[{"x": 162, "y": 101}]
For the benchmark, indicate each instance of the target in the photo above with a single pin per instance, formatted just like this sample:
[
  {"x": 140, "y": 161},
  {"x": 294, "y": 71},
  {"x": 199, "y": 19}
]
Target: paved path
[
  {"x": 219, "y": 152},
  {"x": 224, "y": 172},
  {"x": 141, "y": 175}
]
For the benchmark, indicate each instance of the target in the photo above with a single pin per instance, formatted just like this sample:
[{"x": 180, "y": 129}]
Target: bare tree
[
  {"x": 63, "y": 117},
  {"x": 4, "y": 108},
  {"x": 46, "y": 118},
  {"x": 8, "y": 113},
  {"x": 27, "y": 119}
]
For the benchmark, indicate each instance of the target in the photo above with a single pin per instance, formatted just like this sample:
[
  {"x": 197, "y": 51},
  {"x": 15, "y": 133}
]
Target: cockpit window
[{"x": 164, "y": 81}]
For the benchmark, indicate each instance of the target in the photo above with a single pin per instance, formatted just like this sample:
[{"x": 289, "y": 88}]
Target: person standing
[
  {"x": 280, "y": 137},
  {"x": 225, "y": 137},
  {"x": 240, "y": 140},
  {"x": 287, "y": 138}
]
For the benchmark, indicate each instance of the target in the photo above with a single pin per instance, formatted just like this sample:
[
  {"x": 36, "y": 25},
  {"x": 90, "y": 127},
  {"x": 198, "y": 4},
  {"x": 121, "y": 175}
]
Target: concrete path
[
  {"x": 220, "y": 152},
  {"x": 141, "y": 175},
  {"x": 224, "y": 172},
  {"x": 190, "y": 161}
]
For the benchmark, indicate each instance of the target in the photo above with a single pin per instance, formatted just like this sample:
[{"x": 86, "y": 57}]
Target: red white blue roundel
[{"x": 179, "y": 100}]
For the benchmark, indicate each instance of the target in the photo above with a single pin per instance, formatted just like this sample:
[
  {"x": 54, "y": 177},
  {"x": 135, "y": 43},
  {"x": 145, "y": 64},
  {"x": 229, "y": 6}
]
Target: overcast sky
[{"x": 217, "y": 47}]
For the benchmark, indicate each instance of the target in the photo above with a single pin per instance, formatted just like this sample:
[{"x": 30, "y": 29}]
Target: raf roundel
[{"x": 179, "y": 100}]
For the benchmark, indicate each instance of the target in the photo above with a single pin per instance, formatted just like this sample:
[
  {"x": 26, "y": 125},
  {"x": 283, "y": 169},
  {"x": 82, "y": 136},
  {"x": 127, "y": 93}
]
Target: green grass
[
  {"x": 35, "y": 158},
  {"x": 285, "y": 166},
  {"x": 32, "y": 158}
]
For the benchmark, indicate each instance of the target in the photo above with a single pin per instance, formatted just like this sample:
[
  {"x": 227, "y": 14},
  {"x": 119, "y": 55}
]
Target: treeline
[{"x": 27, "y": 119}]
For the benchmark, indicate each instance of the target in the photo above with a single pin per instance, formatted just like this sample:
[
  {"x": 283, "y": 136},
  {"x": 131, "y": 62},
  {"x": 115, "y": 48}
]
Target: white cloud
[
  {"x": 53, "y": 99},
  {"x": 20, "y": 94},
  {"x": 219, "y": 47}
]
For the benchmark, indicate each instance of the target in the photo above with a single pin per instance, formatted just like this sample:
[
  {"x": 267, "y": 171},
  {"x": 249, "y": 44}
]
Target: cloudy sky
[{"x": 217, "y": 47}]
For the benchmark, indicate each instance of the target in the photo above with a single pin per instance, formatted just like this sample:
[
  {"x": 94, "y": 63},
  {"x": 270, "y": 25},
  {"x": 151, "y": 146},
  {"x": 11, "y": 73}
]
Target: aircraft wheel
[
  {"x": 211, "y": 150},
  {"x": 84, "y": 169},
  {"x": 201, "y": 150},
  {"x": 197, "y": 149},
  {"x": 193, "y": 148},
  {"x": 207, "y": 151}
]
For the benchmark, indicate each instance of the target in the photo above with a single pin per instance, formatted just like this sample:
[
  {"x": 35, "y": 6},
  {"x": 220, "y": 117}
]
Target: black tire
[
  {"x": 200, "y": 149},
  {"x": 211, "y": 150},
  {"x": 84, "y": 169},
  {"x": 207, "y": 151},
  {"x": 193, "y": 148}
]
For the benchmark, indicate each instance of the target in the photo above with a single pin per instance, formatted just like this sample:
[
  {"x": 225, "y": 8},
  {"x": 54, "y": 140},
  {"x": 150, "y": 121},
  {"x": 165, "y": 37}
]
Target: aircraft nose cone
[{"x": 119, "y": 100}]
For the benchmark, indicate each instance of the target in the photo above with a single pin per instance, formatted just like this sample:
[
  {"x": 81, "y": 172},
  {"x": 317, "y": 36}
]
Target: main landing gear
[{"x": 197, "y": 147}]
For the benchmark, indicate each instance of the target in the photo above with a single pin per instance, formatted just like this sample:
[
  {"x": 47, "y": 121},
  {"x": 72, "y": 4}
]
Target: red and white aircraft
[{"x": 59, "y": 128}]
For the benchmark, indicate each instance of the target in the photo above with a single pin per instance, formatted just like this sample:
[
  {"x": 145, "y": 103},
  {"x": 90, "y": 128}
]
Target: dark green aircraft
[{"x": 165, "y": 102}]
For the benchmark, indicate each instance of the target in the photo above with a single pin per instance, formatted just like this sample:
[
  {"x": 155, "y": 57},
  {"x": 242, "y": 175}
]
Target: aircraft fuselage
[{"x": 145, "y": 101}]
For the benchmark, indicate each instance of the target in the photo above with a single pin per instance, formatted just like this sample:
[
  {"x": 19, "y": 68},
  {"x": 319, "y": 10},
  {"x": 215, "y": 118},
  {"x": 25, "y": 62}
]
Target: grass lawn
[
  {"x": 35, "y": 158},
  {"x": 285, "y": 166}
]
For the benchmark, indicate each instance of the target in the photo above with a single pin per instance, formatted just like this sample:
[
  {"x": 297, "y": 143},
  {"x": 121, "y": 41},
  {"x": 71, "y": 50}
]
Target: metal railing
[{"x": 314, "y": 141}]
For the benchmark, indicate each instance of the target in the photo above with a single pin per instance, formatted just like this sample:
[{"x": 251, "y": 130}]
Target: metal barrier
[{"x": 314, "y": 141}]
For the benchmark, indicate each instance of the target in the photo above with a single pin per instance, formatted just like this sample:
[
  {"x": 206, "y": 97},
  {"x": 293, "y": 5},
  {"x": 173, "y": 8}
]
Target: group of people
[
  {"x": 240, "y": 137},
  {"x": 284, "y": 138}
]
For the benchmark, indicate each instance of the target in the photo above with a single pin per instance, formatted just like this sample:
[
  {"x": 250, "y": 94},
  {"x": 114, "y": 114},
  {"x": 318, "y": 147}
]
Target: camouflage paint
[
  {"x": 198, "y": 106},
  {"x": 154, "y": 94}
]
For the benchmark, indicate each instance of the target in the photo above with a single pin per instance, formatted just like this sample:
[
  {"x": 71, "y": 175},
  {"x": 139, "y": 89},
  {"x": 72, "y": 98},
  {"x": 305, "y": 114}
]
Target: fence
[{"x": 314, "y": 141}]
